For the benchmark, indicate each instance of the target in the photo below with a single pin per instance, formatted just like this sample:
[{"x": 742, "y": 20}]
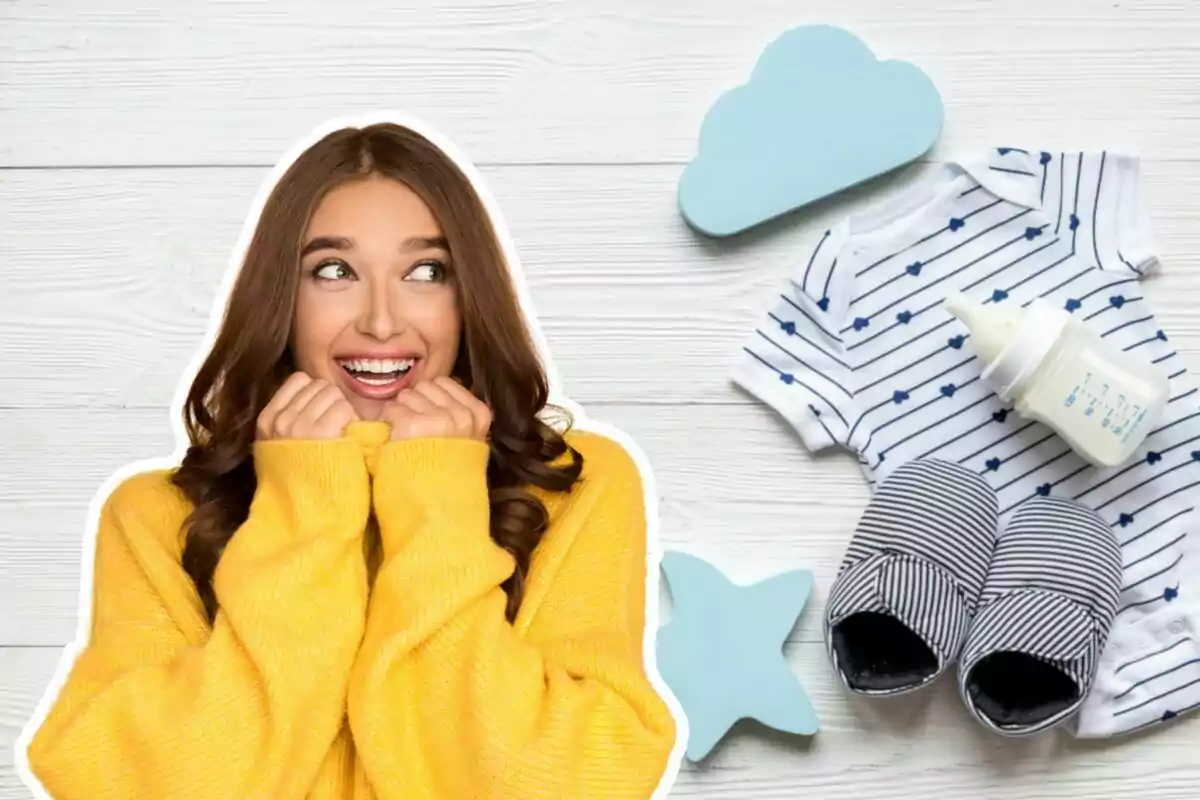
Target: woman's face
[{"x": 376, "y": 310}]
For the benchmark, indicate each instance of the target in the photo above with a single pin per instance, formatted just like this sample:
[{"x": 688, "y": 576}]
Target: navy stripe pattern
[
  {"x": 1045, "y": 616},
  {"x": 857, "y": 352},
  {"x": 918, "y": 560}
]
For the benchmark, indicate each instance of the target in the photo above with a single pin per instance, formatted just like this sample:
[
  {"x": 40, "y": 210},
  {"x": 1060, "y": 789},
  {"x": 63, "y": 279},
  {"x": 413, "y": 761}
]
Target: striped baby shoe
[
  {"x": 899, "y": 608},
  {"x": 1044, "y": 617}
]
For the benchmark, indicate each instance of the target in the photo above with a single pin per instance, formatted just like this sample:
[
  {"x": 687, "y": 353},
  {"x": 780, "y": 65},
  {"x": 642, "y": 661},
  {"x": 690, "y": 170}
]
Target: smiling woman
[
  {"x": 349, "y": 268},
  {"x": 377, "y": 572}
]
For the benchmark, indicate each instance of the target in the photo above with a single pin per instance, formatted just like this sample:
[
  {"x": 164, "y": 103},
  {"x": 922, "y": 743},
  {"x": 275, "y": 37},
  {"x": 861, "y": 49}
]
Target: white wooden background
[{"x": 132, "y": 142}]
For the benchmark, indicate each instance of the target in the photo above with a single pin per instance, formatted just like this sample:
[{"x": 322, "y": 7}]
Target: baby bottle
[{"x": 1102, "y": 401}]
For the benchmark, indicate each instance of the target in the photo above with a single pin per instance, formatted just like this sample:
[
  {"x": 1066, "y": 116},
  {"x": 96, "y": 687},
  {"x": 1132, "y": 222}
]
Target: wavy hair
[{"x": 251, "y": 356}]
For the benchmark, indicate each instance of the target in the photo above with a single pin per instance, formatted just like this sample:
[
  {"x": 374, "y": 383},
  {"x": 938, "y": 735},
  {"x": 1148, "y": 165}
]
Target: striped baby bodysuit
[{"x": 857, "y": 351}]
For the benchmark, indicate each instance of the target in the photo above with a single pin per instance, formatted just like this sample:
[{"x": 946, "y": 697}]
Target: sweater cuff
[
  {"x": 432, "y": 482},
  {"x": 315, "y": 482}
]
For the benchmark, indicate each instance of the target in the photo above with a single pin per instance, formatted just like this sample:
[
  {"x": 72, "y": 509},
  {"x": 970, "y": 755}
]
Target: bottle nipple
[{"x": 991, "y": 327}]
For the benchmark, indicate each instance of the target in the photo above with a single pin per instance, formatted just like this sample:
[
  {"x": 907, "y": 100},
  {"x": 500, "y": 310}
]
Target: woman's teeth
[{"x": 377, "y": 371}]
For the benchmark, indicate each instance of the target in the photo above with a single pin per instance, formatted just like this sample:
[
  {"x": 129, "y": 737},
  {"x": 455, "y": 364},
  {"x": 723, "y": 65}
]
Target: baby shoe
[
  {"x": 899, "y": 608},
  {"x": 1044, "y": 617}
]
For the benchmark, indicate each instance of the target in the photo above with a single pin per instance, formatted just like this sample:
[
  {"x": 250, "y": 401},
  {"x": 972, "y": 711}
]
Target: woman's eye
[
  {"x": 428, "y": 271},
  {"x": 331, "y": 271}
]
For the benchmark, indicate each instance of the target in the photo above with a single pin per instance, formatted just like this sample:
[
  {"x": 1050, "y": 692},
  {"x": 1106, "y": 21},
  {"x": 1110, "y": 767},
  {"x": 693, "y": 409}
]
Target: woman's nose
[{"x": 380, "y": 317}]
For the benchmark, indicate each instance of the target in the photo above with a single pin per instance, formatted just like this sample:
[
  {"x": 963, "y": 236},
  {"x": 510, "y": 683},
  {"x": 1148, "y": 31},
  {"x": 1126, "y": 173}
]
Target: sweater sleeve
[
  {"x": 447, "y": 693},
  {"x": 160, "y": 705}
]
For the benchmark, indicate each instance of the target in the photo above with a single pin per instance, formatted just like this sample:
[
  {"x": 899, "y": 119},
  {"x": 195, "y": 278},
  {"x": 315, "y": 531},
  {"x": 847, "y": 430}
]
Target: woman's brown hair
[{"x": 250, "y": 356}]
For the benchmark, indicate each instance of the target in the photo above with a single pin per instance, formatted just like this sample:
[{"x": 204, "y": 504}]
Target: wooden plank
[
  {"x": 923, "y": 745},
  {"x": 110, "y": 274},
  {"x": 535, "y": 81}
]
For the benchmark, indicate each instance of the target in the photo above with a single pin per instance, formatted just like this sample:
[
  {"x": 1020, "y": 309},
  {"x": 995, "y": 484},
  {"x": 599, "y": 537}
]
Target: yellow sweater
[{"x": 315, "y": 683}]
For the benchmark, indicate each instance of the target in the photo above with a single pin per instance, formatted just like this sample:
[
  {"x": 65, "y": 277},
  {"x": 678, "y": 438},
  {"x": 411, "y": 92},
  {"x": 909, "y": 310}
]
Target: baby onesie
[{"x": 856, "y": 351}]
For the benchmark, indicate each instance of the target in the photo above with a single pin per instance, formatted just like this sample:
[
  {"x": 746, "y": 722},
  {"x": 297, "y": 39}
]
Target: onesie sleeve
[
  {"x": 793, "y": 360},
  {"x": 1094, "y": 199},
  {"x": 1108, "y": 220}
]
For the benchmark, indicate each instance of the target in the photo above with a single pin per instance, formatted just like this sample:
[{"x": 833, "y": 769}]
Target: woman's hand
[
  {"x": 305, "y": 408},
  {"x": 440, "y": 407}
]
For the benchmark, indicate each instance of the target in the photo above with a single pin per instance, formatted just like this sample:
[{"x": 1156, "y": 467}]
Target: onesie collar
[{"x": 1008, "y": 173}]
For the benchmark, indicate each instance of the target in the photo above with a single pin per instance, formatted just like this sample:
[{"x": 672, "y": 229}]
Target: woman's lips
[{"x": 379, "y": 387}]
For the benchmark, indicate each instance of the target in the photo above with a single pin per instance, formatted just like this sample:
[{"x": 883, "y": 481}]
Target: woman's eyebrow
[
  {"x": 425, "y": 243},
  {"x": 327, "y": 243},
  {"x": 343, "y": 243}
]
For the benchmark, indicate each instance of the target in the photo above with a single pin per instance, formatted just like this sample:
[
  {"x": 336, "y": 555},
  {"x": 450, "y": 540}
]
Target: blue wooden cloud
[
  {"x": 819, "y": 114},
  {"x": 722, "y": 652}
]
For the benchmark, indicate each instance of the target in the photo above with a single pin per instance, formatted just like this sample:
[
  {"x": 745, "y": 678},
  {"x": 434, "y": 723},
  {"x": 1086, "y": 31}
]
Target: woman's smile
[{"x": 377, "y": 377}]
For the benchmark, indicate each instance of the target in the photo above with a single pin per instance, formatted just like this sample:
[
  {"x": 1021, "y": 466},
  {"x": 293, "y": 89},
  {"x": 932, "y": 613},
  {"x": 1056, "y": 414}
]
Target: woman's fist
[
  {"x": 440, "y": 407},
  {"x": 305, "y": 408}
]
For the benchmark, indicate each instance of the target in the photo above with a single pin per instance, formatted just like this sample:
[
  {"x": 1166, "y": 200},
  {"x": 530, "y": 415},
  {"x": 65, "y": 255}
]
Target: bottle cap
[{"x": 1035, "y": 338}]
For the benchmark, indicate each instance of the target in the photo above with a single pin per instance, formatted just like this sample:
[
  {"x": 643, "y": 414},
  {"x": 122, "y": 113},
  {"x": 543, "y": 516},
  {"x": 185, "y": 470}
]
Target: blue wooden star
[{"x": 722, "y": 652}]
